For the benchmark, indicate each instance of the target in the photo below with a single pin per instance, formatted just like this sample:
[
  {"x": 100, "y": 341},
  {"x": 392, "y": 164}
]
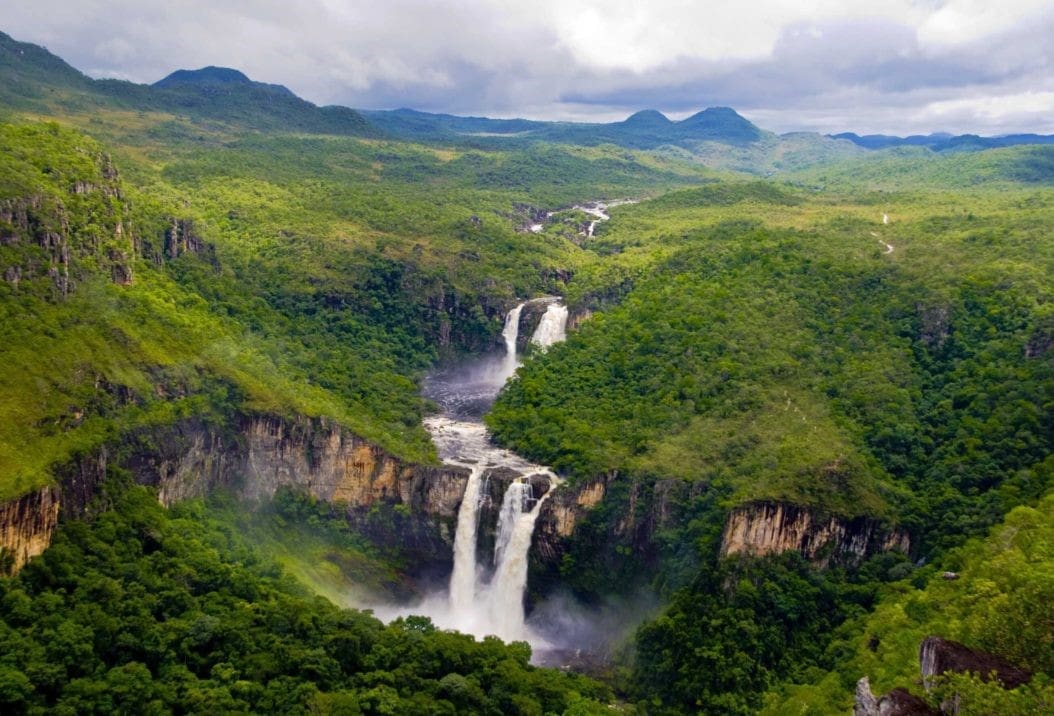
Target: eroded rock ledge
[{"x": 762, "y": 528}]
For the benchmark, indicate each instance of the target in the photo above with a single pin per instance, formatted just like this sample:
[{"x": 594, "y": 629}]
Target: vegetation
[
  {"x": 869, "y": 337},
  {"x": 786, "y": 356},
  {"x": 146, "y": 611},
  {"x": 1000, "y": 603}
]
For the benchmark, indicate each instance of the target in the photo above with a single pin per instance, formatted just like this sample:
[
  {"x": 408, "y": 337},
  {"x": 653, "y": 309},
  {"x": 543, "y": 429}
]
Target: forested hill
[
  {"x": 31, "y": 78},
  {"x": 646, "y": 129}
]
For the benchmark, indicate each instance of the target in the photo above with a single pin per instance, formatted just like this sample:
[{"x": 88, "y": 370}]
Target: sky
[{"x": 890, "y": 66}]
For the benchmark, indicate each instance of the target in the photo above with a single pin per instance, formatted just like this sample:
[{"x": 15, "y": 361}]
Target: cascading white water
[
  {"x": 504, "y": 594},
  {"x": 511, "y": 333},
  {"x": 463, "y": 578},
  {"x": 470, "y": 604},
  {"x": 513, "y": 504},
  {"x": 553, "y": 326}
]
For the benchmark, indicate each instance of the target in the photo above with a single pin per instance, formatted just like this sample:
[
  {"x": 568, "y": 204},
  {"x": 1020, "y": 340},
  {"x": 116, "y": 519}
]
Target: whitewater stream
[
  {"x": 597, "y": 209},
  {"x": 486, "y": 599}
]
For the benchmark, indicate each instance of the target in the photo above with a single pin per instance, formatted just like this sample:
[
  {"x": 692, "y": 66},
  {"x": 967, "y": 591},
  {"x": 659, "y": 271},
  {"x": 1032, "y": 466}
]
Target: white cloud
[
  {"x": 864, "y": 63},
  {"x": 959, "y": 22}
]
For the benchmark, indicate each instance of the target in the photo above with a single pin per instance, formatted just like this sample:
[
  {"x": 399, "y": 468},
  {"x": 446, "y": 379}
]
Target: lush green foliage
[
  {"x": 1001, "y": 603},
  {"x": 769, "y": 362},
  {"x": 738, "y": 629},
  {"x": 797, "y": 365},
  {"x": 143, "y": 612},
  {"x": 758, "y": 340}
]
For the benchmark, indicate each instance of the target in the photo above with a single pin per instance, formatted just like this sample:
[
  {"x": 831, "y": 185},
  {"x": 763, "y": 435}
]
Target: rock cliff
[
  {"x": 255, "y": 457},
  {"x": 762, "y": 528},
  {"x": 26, "y": 527},
  {"x": 561, "y": 513},
  {"x": 64, "y": 235},
  {"x": 938, "y": 656},
  {"x": 897, "y": 702}
]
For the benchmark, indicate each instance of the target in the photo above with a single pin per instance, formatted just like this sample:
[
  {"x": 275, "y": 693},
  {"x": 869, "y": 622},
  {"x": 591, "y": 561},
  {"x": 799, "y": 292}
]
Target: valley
[{"x": 311, "y": 410}]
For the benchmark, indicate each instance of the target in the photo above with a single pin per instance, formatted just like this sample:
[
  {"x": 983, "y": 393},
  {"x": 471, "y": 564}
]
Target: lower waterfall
[
  {"x": 510, "y": 333},
  {"x": 463, "y": 578}
]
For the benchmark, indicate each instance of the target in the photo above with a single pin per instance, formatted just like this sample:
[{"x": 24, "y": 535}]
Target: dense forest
[{"x": 865, "y": 338}]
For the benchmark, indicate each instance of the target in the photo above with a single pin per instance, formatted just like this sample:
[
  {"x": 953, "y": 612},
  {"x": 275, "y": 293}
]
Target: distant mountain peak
[
  {"x": 711, "y": 113},
  {"x": 213, "y": 76},
  {"x": 722, "y": 122},
  {"x": 647, "y": 118},
  {"x": 206, "y": 75}
]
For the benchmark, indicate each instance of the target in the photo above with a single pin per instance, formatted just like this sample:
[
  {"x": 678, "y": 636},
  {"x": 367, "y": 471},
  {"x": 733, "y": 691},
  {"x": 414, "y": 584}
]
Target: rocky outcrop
[
  {"x": 577, "y": 317},
  {"x": 897, "y": 702},
  {"x": 264, "y": 453},
  {"x": 762, "y": 528},
  {"x": 78, "y": 229},
  {"x": 938, "y": 656},
  {"x": 561, "y": 513},
  {"x": 26, "y": 527},
  {"x": 181, "y": 238},
  {"x": 27, "y": 523}
]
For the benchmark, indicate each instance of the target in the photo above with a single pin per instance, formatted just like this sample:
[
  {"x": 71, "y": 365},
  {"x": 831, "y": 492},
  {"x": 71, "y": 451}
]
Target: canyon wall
[
  {"x": 254, "y": 458},
  {"x": 762, "y": 528},
  {"x": 26, "y": 526},
  {"x": 758, "y": 528}
]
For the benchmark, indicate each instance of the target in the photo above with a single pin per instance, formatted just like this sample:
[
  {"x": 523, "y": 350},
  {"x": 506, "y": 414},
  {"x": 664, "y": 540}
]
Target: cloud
[{"x": 817, "y": 64}]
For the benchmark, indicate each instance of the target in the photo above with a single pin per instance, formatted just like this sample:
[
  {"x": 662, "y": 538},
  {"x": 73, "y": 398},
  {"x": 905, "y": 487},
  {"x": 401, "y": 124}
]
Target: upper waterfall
[
  {"x": 553, "y": 326},
  {"x": 511, "y": 333}
]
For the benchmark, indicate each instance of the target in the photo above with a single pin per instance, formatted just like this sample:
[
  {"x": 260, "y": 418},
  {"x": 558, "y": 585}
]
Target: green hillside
[
  {"x": 766, "y": 344},
  {"x": 862, "y": 335},
  {"x": 1000, "y": 602}
]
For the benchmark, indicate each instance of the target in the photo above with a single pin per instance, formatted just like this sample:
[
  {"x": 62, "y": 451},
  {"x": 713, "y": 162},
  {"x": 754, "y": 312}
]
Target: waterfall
[
  {"x": 513, "y": 504},
  {"x": 463, "y": 578},
  {"x": 471, "y": 603},
  {"x": 511, "y": 334},
  {"x": 503, "y": 597},
  {"x": 553, "y": 326}
]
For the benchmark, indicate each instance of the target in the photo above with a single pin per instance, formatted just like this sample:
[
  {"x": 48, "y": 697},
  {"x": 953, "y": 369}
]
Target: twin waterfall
[{"x": 488, "y": 598}]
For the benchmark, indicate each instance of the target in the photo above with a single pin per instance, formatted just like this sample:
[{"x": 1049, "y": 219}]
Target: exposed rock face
[
  {"x": 897, "y": 702},
  {"x": 561, "y": 513},
  {"x": 45, "y": 221},
  {"x": 181, "y": 238},
  {"x": 258, "y": 456},
  {"x": 648, "y": 507},
  {"x": 26, "y": 527},
  {"x": 268, "y": 452},
  {"x": 938, "y": 656},
  {"x": 578, "y": 317},
  {"x": 769, "y": 528}
]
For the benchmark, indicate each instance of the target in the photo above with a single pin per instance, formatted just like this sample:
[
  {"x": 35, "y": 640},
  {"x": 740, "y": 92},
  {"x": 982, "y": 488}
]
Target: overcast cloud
[{"x": 895, "y": 66}]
